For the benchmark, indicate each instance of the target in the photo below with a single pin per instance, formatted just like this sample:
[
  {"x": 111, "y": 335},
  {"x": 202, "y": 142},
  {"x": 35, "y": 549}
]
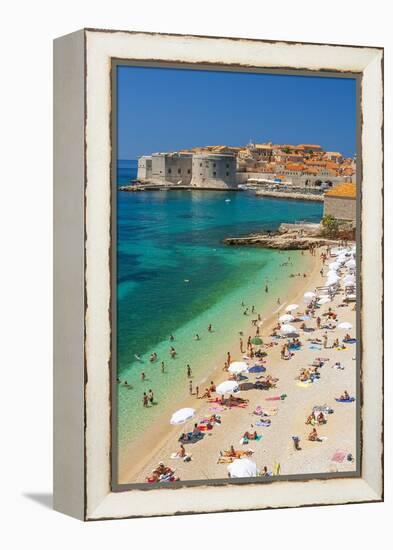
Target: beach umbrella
[
  {"x": 256, "y": 341},
  {"x": 291, "y": 307},
  {"x": 288, "y": 329},
  {"x": 287, "y": 318},
  {"x": 237, "y": 367},
  {"x": 228, "y": 386},
  {"x": 334, "y": 266},
  {"x": 323, "y": 300},
  {"x": 349, "y": 283},
  {"x": 349, "y": 279},
  {"x": 344, "y": 326},
  {"x": 351, "y": 264},
  {"x": 309, "y": 296},
  {"x": 243, "y": 467},
  {"x": 182, "y": 415}
]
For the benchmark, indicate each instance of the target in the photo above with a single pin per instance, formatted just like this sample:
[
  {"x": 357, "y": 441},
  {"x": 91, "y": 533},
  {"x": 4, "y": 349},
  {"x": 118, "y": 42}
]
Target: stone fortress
[
  {"x": 304, "y": 167},
  {"x": 200, "y": 170}
]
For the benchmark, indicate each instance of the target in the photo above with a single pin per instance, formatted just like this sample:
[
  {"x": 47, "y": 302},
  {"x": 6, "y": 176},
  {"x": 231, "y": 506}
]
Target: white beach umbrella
[
  {"x": 349, "y": 283},
  {"x": 333, "y": 277},
  {"x": 287, "y": 318},
  {"x": 351, "y": 264},
  {"x": 243, "y": 467},
  {"x": 309, "y": 296},
  {"x": 349, "y": 279},
  {"x": 291, "y": 307},
  {"x": 344, "y": 326},
  {"x": 228, "y": 386},
  {"x": 334, "y": 266},
  {"x": 237, "y": 367},
  {"x": 182, "y": 415},
  {"x": 288, "y": 329},
  {"x": 324, "y": 300}
]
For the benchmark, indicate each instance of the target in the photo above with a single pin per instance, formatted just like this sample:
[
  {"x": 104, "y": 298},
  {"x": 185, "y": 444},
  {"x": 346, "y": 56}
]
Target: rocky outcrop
[
  {"x": 289, "y": 195},
  {"x": 288, "y": 237}
]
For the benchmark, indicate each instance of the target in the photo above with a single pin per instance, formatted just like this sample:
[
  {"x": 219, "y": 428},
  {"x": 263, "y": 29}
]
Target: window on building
[
  {"x": 169, "y": 170},
  {"x": 200, "y": 164},
  {"x": 214, "y": 173},
  {"x": 227, "y": 165},
  {"x": 214, "y": 164},
  {"x": 188, "y": 171},
  {"x": 179, "y": 170},
  {"x": 227, "y": 173}
]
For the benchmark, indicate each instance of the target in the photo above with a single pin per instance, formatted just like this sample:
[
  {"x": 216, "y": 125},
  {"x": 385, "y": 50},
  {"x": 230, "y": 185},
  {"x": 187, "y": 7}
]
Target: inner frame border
[{"x": 214, "y": 67}]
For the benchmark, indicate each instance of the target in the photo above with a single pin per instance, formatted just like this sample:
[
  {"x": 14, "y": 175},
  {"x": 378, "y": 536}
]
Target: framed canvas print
[{"x": 218, "y": 274}]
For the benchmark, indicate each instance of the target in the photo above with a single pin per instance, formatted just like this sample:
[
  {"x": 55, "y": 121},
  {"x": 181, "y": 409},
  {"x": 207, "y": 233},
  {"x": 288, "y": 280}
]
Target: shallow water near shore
[{"x": 176, "y": 277}]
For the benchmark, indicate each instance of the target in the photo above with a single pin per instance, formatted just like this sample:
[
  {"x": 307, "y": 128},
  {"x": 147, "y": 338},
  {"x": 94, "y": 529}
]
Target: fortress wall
[{"x": 217, "y": 171}]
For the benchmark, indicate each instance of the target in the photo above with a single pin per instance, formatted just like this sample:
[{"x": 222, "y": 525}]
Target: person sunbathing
[
  {"x": 181, "y": 452},
  {"x": 347, "y": 338},
  {"x": 313, "y": 435},
  {"x": 310, "y": 419},
  {"x": 251, "y": 436},
  {"x": 321, "y": 418},
  {"x": 205, "y": 394},
  {"x": 345, "y": 396},
  {"x": 212, "y": 386}
]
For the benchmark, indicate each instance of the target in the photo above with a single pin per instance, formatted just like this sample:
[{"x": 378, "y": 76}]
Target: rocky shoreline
[
  {"x": 290, "y": 196},
  {"x": 288, "y": 237}
]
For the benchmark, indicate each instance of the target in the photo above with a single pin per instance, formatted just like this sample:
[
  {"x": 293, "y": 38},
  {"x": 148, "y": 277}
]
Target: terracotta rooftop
[{"x": 346, "y": 190}]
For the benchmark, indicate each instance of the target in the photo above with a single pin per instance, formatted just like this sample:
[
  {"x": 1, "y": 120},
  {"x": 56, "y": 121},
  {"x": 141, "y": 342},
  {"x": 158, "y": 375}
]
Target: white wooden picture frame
[{"x": 82, "y": 258}]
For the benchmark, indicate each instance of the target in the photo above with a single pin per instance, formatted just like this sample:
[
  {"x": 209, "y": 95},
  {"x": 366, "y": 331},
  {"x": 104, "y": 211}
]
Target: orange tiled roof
[{"x": 346, "y": 190}]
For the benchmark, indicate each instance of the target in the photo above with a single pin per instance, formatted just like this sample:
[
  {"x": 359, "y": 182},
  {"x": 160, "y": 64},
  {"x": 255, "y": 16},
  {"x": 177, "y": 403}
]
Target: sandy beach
[{"x": 288, "y": 415}]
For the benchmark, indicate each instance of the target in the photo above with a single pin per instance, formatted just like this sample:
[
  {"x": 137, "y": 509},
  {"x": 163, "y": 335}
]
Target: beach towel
[
  {"x": 315, "y": 347},
  {"x": 351, "y": 341},
  {"x": 264, "y": 423},
  {"x": 216, "y": 409},
  {"x": 245, "y": 440},
  {"x": 304, "y": 384},
  {"x": 339, "y": 456},
  {"x": 350, "y": 400},
  {"x": 186, "y": 458},
  {"x": 257, "y": 368},
  {"x": 225, "y": 460},
  {"x": 277, "y": 397}
]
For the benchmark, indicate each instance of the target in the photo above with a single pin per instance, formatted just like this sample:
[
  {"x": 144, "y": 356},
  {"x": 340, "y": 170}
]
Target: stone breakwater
[
  {"x": 288, "y": 237},
  {"x": 290, "y": 196}
]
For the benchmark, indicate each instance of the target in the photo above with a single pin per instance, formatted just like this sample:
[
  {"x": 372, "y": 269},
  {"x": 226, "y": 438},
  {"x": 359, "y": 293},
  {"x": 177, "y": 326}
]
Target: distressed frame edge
[
  {"x": 374, "y": 495},
  {"x": 69, "y": 490}
]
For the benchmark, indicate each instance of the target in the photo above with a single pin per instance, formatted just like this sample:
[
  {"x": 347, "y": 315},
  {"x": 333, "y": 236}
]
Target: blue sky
[{"x": 162, "y": 109}]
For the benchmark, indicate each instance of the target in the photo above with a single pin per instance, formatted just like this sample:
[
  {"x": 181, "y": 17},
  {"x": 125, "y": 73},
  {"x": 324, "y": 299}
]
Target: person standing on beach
[
  {"x": 241, "y": 345},
  {"x": 145, "y": 400},
  {"x": 190, "y": 387},
  {"x": 325, "y": 340},
  {"x": 197, "y": 392},
  {"x": 162, "y": 366},
  {"x": 151, "y": 397},
  {"x": 189, "y": 372},
  {"x": 228, "y": 358},
  {"x": 266, "y": 288},
  {"x": 253, "y": 309},
  {"x": 210, "y": 328},
  {"x": 143, "y": 376}
]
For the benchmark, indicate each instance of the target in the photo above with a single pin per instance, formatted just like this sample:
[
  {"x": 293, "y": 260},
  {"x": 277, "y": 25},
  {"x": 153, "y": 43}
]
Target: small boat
[
  {"x": 227, "y": 200},
  {"x": 138, "y": 357}
]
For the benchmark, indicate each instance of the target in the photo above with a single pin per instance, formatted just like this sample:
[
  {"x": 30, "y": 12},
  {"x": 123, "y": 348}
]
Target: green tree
[{"x": 330, "y": 225}]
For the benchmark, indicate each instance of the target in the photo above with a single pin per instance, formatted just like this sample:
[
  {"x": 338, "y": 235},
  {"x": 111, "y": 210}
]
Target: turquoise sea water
[{"x": 175, "y": 277}]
